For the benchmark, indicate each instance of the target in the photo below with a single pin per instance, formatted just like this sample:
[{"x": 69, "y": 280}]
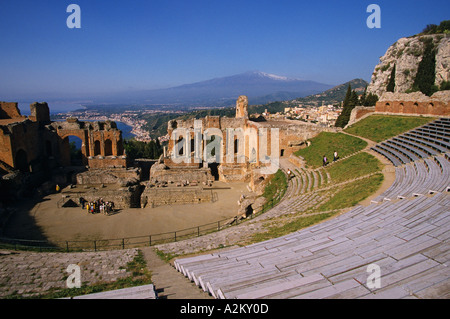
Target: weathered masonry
[
  {"x": 35, "y": 143},
  {"x": 243, "y": 146},
  {"x": 415, "y": 103}
]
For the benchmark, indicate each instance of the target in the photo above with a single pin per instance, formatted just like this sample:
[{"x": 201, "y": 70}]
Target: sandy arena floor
[{"x": 44, "y": 220}]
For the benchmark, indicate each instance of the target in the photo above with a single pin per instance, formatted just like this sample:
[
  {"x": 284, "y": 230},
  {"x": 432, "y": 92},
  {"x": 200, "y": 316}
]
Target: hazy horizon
[{"x": 143, "y": 45}]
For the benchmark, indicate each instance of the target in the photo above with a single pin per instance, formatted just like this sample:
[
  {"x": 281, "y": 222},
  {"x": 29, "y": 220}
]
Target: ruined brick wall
[
  {"x": 100, "y": 162},
  {"x": 360, "y": 112},
  {"x": 415, "y": 103},
  {"x": 126, "y": 197},
  {"x": 241, "y": 107},
  {"x": 36, "y": 143},
  {"x": 154, "y": 197},
  {"x": 109, "y": 176},
  {"x": 158, "y": 173},
  {"x": 40, "y": 113},
  {"x": 241, "y": 151},
  {"x": 102, "y": 143},
  {"x": 20, "y": 142},
  {"x": 6, "y": 153},
  {"x": 10, "y": 110}
]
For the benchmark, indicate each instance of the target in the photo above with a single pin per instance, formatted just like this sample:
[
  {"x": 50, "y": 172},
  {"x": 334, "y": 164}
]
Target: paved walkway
[
  {"x": 29, "y": 274},
  {"x": 168, "y": 282}
]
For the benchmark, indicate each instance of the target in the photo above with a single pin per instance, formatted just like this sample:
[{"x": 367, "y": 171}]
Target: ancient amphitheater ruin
[
  {"x": 404, "y": 232},
  {"x": 401, "y": 236}
]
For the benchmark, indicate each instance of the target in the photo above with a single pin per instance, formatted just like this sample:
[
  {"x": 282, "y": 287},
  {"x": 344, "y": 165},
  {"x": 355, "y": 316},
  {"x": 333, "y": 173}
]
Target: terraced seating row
[
  {"x": 408, "y": 241},
  {"x": 422, "y": 177},
  {"x": 138, "y": 292},
  {"x": 407, "y": 237},
  {"x": 429, "y": 140},
  {"x": 304, "y": 181}
]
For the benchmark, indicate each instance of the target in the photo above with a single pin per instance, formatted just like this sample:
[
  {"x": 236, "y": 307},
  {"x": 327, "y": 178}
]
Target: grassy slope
[
  {"x": 326, "y": 143},
  {"x": 353, "y": 193},
  {"x": 346, "y": 195},
  {"x": 381, "y": 127},
  {"x": 355, "y": 166},
  {"x": 277, "y": 183}
]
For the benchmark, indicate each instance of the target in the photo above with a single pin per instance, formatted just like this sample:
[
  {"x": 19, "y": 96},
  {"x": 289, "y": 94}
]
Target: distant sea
[
  {"x": 126, "y": 130},
  {"x": 54, "y": 106},
  {"x": 62, "y": 107}
]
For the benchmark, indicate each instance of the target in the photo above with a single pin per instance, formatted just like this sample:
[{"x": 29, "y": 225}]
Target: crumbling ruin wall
[
  {"x": 415, "y": 103},
  {"x": 154, "y": 197},
  {"x": 360, "y": 112},
  {"x": 35, "y": 143},
  {"x": 125, "y": 197},
  {"x": 239, "y": 153},
  {"x": 109, "y": 176},
  {"x": 10, "y": 110},
  {"x": 102, "y": 144},
  {"x": 241, "y": 107},
  {"x": 161, "y": 173}
]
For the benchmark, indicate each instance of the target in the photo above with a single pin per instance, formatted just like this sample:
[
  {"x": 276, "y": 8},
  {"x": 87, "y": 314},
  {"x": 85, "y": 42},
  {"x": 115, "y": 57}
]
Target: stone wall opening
[
  {"x": 71, "y": 148},
  {"x": 21, "y": 161},
  {"x": 97, "y": 149},
  {"x": 214, "y": 167},
  {"x": 108, "y": 148}
]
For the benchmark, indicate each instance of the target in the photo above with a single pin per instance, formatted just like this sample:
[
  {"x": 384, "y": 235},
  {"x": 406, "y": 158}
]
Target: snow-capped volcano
[
  {"x": 273, "y": 76},
  {"x": 260, "y": 87}
]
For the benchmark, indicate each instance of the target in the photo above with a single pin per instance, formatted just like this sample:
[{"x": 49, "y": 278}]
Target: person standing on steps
[{"x": 325, "y": 161}]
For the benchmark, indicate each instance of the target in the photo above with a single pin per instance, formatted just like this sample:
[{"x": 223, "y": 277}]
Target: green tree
[
  {"x": 371, "y": 99},
  {"x": 426, "y": 74},
  {"x": 136, "y": 149},
  {"x": 350, "y": 101},
  {"x": 362, "y": 100},
  {"x": 443, "y": 27},
  {"x": 445, "y": 85},
  {"x": 391, "y": 85},
  {"x": 354, "y": 99},
  {"x": 348, "y": 96}
]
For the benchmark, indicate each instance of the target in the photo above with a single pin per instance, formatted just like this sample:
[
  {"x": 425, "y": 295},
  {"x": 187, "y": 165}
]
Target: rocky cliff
[{"x": 405, "y": 55}]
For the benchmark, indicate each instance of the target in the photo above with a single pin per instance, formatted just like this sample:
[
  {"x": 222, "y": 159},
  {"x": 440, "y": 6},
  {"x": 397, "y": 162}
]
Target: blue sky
[{"x": 145, "y": 44}]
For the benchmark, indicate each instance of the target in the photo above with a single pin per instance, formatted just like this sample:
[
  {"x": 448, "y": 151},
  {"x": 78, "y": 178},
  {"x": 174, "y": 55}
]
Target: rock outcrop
[{"x": 406, "y": 55}]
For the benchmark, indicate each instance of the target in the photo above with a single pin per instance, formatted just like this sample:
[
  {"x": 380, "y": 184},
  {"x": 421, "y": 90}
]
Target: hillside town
[{"x": 325, "y": 115}]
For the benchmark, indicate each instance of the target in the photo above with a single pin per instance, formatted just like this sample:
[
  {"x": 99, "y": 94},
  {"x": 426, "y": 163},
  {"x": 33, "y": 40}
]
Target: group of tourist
[
  {"x": 335, "y": 158},
  {"x": 325, "y": 163},
  {"x": 98, "y": 206}
]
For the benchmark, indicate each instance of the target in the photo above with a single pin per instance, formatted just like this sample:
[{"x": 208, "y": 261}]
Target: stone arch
[
  {"x": 180, "y": 145},
  {"x": 68, "y": 159},
  {"x": 120, "y": 149},
  {"x": 97, "y": 148},
  {"x": 387, "y": 107},
  {"x": 108, "y": 147}
]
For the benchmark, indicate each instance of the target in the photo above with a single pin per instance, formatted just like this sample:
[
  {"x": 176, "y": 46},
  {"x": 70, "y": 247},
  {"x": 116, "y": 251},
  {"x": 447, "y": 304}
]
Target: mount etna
[{"x": 260, "y": 88}]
